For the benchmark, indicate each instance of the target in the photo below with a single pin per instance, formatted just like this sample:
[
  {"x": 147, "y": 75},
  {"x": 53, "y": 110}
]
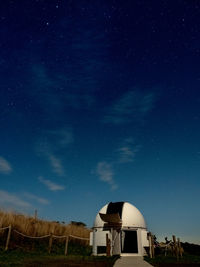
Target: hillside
[{"x": 37, "y": 227}]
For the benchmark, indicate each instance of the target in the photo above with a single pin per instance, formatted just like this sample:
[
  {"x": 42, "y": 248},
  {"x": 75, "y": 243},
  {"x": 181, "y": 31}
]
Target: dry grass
[{"x": 29, "y": 226}]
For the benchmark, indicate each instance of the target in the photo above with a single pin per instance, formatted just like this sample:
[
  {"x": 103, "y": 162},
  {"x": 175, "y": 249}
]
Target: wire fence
[
  {"x": 34, "y": 237},
  {"x": 4, "y": 228},
  {"x": 51, "y": 236}
]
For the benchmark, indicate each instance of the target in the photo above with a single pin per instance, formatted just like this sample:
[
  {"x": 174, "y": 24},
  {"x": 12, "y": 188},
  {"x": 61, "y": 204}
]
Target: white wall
[
  {"x": 99, "y": 239},
  {"x": 91, "y": 238}
]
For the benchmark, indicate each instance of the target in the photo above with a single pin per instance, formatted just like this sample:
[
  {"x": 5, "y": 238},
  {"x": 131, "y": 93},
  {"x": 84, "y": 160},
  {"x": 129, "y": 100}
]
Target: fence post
[
  {"x": 179, "y": 248},
  {"x": 165, "y": 250},
  {"x": 66, "y": 244},
  {"x": 175, "y": 247},
  {"x": 8, "y": 237},
  {"x": 150, "y": 246},
  {"x": 50, "y": 242},
  {"x": 108, "y": 246},
  {"x": 152, "y": 243}
]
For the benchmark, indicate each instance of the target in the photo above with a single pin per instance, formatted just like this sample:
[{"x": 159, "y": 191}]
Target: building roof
[{"x": 130, "y": 216}]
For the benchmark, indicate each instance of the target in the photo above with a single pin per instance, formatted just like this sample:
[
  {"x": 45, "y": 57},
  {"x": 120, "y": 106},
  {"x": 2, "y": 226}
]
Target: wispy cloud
[
  {"x": 105, "y": 173},
  {"x": 47, "y": 99},
  {"x": 5, "y": 166},
  {"x": 131, "y": 107},
  {"x": 51, "y": 143},
  {"x": 43, "y": 149},
  {"x": 128, "y": 151},
  {"x": 56, "y": 164},
  {"x": 36, "y": 198},
  {"x": 68, "y": 92},
  {"x": 12, "y": 200},
  {"x": 60, "y": 137},
  {"x": 51, "y": 185}
]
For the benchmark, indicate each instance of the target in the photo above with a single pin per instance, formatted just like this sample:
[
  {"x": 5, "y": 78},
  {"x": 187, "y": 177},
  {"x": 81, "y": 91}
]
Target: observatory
[{"x": 119, "y": 229}]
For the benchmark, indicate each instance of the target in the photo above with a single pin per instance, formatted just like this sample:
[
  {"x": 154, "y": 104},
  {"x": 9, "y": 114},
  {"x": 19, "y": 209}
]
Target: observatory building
[{"x": 119, "y": 229}]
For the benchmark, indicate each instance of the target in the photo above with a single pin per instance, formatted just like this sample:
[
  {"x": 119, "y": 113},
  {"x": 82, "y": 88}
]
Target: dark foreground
[
  {"x": 180, "y": 265},
  {"x": 14, "y": 258},
  {"x": 68, "y": 263},
  {"x": 169, "y": 261},
  {"x": 176, "y": 264}
]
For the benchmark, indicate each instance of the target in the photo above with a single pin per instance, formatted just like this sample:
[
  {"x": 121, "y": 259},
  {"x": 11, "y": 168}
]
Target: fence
[
  {"x": 173, "y": 246},
  {"x": 51, "y": 236}
]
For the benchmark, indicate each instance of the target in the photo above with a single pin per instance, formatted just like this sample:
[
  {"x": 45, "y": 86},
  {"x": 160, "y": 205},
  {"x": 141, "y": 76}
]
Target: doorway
[{"x": 129, "y": 243}]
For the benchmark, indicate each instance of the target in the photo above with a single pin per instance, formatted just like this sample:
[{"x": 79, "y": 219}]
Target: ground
[
  {"x": 17, "y": 258},
  {"x": 186, "y": 261}
]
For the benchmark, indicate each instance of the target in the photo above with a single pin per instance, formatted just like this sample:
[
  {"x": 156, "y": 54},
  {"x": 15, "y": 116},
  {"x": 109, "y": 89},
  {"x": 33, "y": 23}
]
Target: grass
[
  {"x": 18, "y": 258},
  {"x": 28, "y": 252},
  {"x": 29, "y": 226},
  {"x": 26, "y": 245},
  {"x": 24, "y": 251},
  {"x": 186, "y": 260},
  {"x": 191, "y": 257}
]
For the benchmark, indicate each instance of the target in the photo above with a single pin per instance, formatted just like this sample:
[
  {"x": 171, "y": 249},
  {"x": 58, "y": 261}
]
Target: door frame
[{"x": 129, "y": 253}]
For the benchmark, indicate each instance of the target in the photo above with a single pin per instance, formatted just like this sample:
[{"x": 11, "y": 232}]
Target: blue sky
[{"x": 99, "y": 102}]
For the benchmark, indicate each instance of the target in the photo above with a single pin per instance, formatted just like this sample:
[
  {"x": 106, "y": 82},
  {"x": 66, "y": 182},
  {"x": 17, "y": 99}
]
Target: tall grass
[{"x": 37, "y": 227}]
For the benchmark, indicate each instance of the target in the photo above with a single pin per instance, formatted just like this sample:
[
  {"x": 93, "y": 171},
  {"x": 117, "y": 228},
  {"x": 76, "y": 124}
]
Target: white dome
[{"x": 130, "y": 216}]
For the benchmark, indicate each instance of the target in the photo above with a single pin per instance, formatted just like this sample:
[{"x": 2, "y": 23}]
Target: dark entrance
[{"x": 129, "y": 242}]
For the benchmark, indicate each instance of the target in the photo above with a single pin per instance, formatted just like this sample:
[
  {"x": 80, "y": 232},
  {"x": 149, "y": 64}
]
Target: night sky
[{"x": 100, "y": 102}]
